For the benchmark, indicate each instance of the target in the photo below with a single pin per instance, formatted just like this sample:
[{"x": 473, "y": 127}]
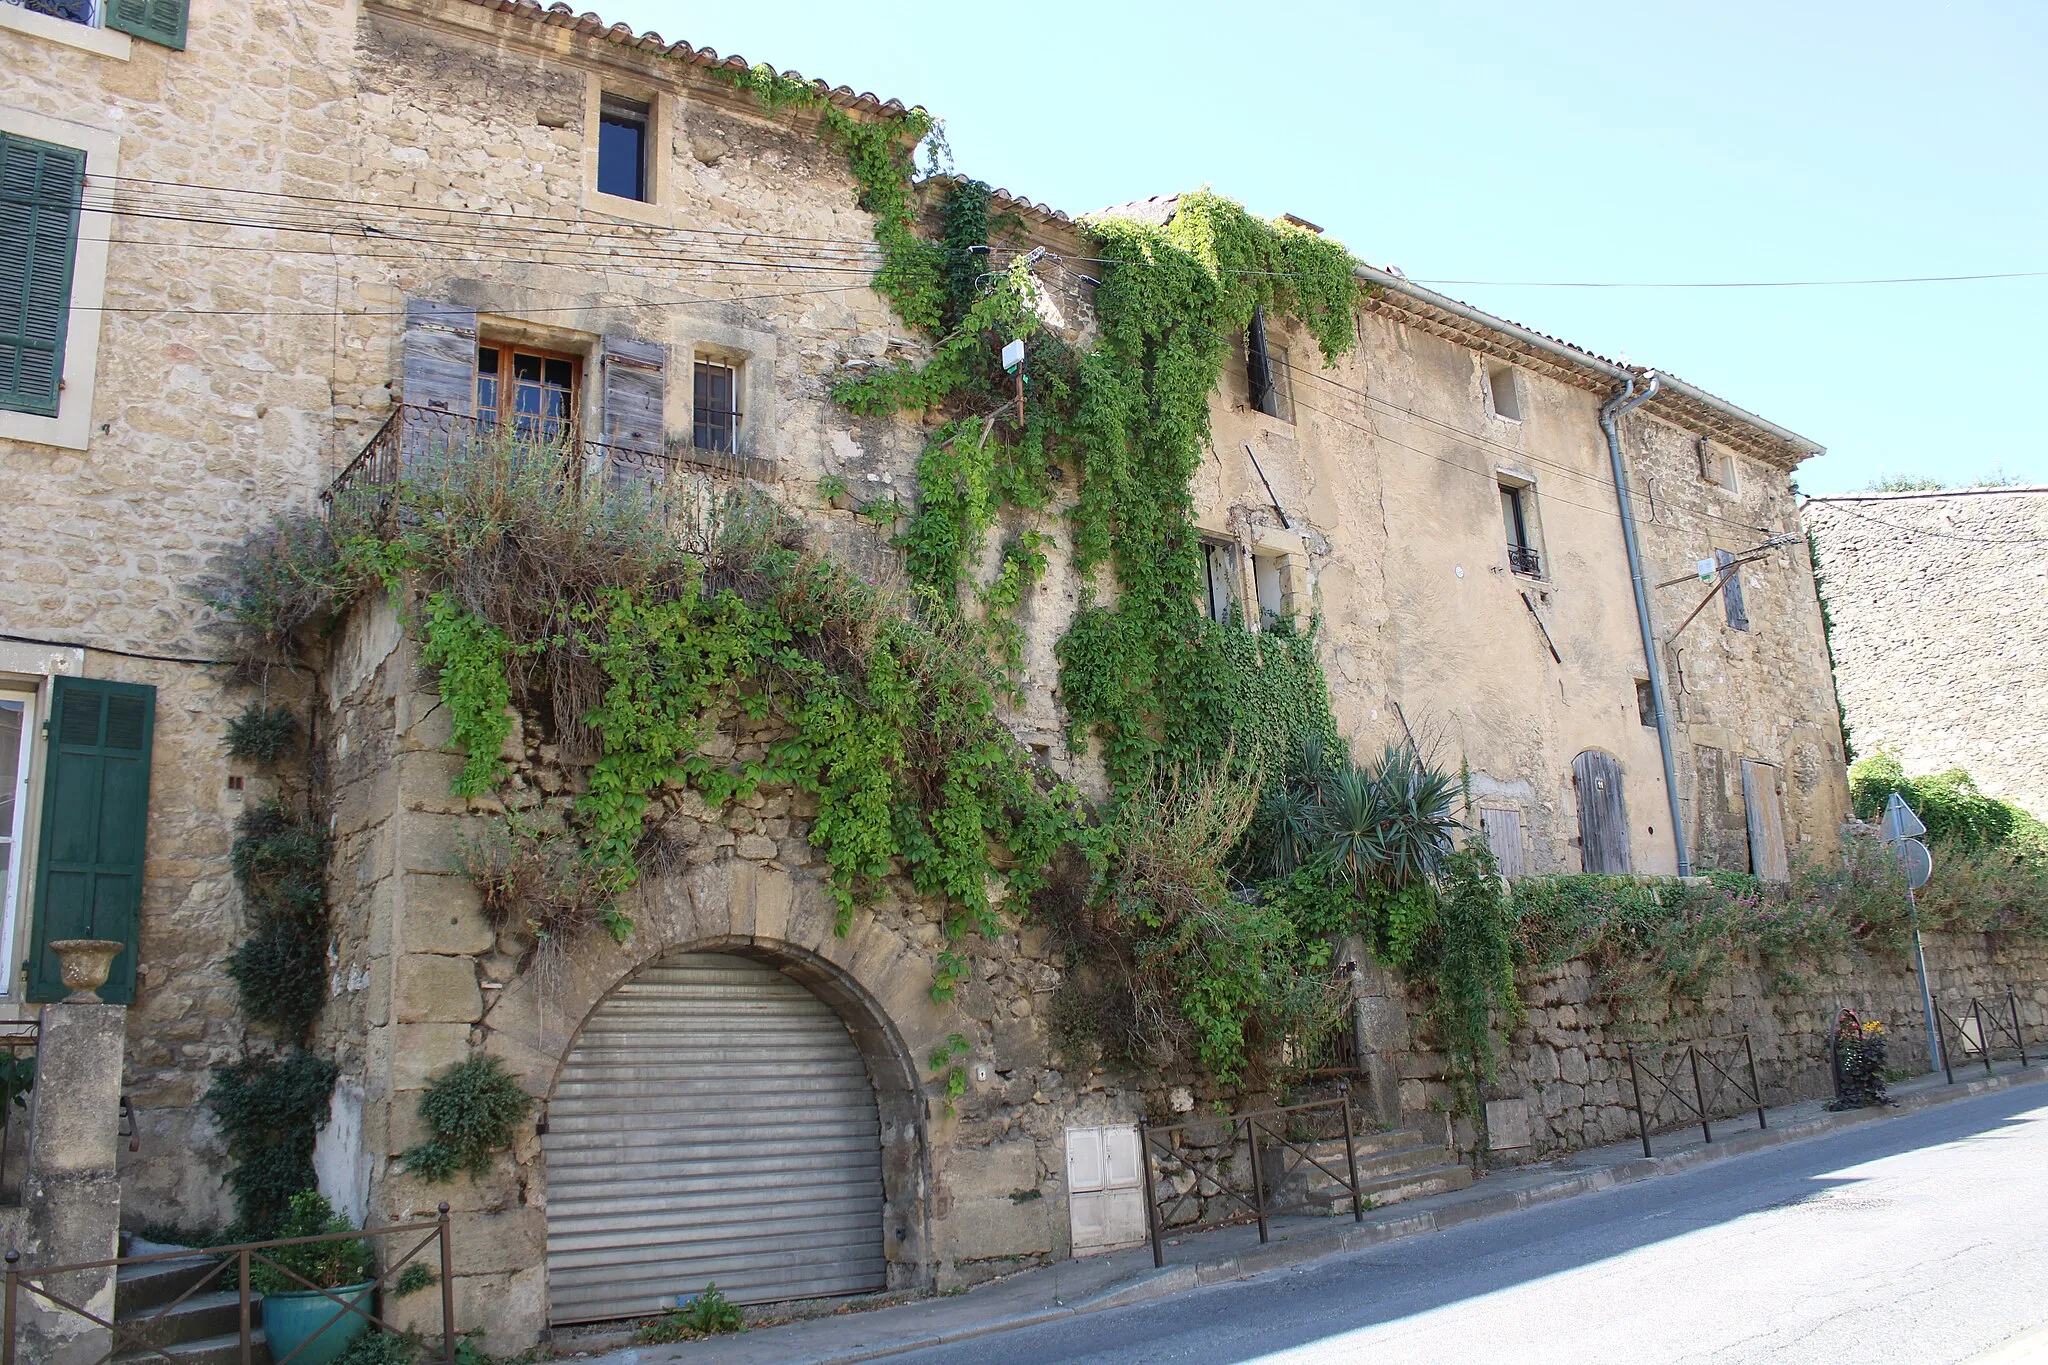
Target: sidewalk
[{"x": 1067, "y": 1288}]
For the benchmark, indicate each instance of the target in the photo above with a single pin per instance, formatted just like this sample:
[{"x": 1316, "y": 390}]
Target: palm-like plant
[{"x": 1386, "y": 824}]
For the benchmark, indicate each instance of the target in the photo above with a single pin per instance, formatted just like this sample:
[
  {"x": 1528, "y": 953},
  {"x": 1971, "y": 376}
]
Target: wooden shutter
[
  {"x": 40, "y": 188},
  {"x": 1767, "y": 854},
  {"x": 158, "y": 21},
  {"x": 1258, "y": 365},
  {"x": 95, "y": 816},
  {"x": 1503, "y": 830},
  {"x": 1603, "y": 813},
  {"x": 1731, "y": 592},
  {"x": 634, "y": 389},
  {"x": 440, "y": 356}
]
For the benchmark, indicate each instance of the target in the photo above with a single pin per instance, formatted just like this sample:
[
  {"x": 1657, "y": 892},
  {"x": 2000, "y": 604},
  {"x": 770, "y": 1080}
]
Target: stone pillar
[{"x": 71, "y": 1198}]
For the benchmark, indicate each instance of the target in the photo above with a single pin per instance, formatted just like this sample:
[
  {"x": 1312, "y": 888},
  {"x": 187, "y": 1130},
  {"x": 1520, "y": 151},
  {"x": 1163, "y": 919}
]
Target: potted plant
[{"x": 296, "y": 1318}]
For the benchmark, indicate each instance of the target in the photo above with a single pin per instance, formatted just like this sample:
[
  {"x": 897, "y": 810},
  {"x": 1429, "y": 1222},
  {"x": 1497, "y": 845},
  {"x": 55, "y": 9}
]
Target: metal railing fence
[
  {"x": 241, "y": 1256},
  {"x": 1979, "y": 1031},
  {"x": 1699, "y": 1107}
]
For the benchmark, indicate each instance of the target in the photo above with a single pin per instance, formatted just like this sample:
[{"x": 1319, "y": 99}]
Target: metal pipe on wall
[{"x": 1611, "y": 413}]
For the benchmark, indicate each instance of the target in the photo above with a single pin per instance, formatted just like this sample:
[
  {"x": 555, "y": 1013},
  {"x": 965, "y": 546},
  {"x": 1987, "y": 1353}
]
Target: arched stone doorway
[{"x": 733, "y": 1114}]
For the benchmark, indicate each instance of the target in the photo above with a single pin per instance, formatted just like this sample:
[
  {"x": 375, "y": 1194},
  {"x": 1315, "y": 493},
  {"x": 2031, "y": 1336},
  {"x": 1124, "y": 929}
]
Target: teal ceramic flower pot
[{"x": 294, "y": 1323}]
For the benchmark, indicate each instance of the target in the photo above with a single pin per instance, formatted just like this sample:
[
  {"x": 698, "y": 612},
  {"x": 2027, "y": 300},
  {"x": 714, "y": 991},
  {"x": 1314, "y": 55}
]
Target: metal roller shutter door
[{"x": 714, "y": 1123}]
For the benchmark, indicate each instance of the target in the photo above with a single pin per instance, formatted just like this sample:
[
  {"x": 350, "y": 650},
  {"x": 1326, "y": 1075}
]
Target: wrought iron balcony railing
[
  {"x": 427, "y": 445},
  {"x": 1524, "y": 560}
]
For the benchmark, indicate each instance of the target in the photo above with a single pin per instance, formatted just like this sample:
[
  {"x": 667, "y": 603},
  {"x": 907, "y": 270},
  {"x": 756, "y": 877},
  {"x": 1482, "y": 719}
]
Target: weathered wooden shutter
[
  {"x": 159, "y": 21},
  {"x": 634, "y": 388},
  {"x": 1731, "y": 592},
  {"x": 440, "y": 356},
  {"x": 95, "y": 815},
  {"x": 1603, "y": 813},
  {"x": 1503, "y": 830},
  {"x": 1767, "y": 854},
  {"x": 40, "y": 188}
]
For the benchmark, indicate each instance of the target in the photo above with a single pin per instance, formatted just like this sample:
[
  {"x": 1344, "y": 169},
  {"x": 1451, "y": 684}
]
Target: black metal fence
[
  {"x": 138, "y": 1338},
  {"x": 1284, "y": 1132},
  {"x": 420, "y": 443},
  {"x": 1670, "y": 1068},
  {"x": 1979, "y": 1031}
]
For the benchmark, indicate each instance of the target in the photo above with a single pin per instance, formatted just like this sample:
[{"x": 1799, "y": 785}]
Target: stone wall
[
  {"x": 1940, "y": 606},
  {"x": 1567, "y": 1059}
]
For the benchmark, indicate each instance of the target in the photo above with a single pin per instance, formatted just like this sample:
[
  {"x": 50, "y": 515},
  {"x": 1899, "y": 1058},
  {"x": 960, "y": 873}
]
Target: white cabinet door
[{"x": 1105, "y": 1187}]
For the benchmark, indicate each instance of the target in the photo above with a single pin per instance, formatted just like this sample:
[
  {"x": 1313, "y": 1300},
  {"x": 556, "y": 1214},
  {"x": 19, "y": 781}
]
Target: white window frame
[
  {"x": 71, "y": 428},
  {"x": 16, "y": 834},
  {"x": 93, "y": 37}
]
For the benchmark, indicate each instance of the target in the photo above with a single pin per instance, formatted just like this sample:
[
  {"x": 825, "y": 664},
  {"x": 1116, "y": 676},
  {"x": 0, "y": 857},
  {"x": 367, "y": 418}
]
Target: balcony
[
  {"x": 1523, "y": 559},
  {"x": 426, "y": 446}
]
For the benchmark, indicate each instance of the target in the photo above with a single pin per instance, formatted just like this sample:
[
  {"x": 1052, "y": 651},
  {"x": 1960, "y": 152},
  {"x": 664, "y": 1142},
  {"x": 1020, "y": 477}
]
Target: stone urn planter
[{"x": 84, "y": 964}]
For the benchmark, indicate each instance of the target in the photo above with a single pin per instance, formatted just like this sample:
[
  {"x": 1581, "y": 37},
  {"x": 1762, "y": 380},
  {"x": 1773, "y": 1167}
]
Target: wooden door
[
  {"x": 1767, "y": 857},
  {"x": 1503, "y": 830},
  {"x": 1603, "y": 813}
]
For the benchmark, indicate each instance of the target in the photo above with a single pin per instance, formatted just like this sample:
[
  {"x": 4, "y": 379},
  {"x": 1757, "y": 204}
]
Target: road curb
[{"x": 1159, "y": 1283}]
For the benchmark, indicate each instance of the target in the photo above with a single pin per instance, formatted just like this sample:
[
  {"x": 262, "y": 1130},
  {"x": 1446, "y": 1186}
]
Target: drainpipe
[{"x": 1617, "y": 407}]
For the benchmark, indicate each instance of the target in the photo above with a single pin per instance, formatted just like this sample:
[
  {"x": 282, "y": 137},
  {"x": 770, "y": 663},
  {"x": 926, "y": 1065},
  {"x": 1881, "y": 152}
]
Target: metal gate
[{"x": 714, "y": 1123}]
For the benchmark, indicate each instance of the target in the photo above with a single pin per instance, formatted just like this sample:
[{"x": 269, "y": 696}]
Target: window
[
  {"x": 159, "y": 21},
  {"x": 1269, "y": 379},
  {"x": 1646, "y": 702},
  {"x": 534, "y": 390},
  {"x": 41, "y": 185},
  {"x": 1717, "y": 466},
  {"x": 71, "y": 11},
  {"x": 1270, "y": 581},
  {"x": 1731, "y": 591},
  {"x": 1502, "y": 395},
  {"x": 622, "y": 147},
  {"x": 1220, "y": 578},
  {"x": 715, "y": 407},
  {"x": 1518, "y": 517},
  {"x": 17, "y": 716}
]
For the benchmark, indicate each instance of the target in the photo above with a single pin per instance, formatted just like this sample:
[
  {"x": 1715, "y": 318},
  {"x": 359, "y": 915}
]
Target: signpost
[{"x": 1902, "y": 830}]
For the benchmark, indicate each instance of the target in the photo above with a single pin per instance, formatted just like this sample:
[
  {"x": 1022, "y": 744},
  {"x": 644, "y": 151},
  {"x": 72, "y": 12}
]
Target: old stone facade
[
  {"x": 288, "y": 219},
  {"x": 1940, "y": 607}
]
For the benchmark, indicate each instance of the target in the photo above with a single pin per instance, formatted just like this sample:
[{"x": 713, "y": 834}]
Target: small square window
[
  {"x": 715, "y": 406},
  {"x": 622, "y": 147},
  {"x": 1502, "y": 395}
]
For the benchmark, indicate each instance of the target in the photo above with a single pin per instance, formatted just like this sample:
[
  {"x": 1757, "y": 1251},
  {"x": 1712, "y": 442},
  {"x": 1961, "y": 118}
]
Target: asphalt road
[{"x": 1922, "y": 1239}]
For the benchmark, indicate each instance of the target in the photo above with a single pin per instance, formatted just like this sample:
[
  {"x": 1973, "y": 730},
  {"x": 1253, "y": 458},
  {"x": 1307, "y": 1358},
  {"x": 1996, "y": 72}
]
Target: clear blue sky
[{"x": 1496, "y": 141}]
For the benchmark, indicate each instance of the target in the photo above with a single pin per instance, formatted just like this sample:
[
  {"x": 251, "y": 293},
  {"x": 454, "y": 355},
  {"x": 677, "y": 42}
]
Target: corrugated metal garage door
[{"x": 714, "y": 1123}]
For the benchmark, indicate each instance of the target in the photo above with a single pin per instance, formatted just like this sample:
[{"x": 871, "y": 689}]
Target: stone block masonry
[{"x": 1940, "y": 606}]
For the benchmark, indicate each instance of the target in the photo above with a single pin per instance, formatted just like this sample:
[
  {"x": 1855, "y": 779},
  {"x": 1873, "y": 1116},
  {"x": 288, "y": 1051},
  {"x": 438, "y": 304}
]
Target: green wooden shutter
[
  {"x": 40, "y": 185},
  {"x": 160, "y": 21},
  {"x": 95, "y": 814}
]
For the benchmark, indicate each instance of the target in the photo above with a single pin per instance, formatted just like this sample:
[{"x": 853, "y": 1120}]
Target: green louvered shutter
[
  {"x": 95, "y": 814},
  {"x": 40, "y": 185},
  {"x": 160, "y": 21}
]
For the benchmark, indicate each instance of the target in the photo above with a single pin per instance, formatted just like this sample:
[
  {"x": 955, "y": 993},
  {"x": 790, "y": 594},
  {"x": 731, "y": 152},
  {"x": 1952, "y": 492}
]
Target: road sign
[
  {"x": 1918, "y": 862},
  {"x": 1899, "y": 820}
]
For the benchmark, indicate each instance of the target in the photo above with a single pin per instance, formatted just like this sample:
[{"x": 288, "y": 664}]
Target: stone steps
[
  {"x": 202, "y": 1330},
  {"x": 1392, "y": 1166}
]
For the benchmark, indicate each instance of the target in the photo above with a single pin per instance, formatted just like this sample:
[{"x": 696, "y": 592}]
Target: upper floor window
[
  {"x": 41, "y": 185},
  {"x": 622, "y": 141},
  {"x": 715, "y": 406},
  {"x": 1518, "y": 518},
  {"x": 159, "y": 21},
  {"x": 534, "y": 390},
  {"x": 1503, "y": 397},
  {"x": 1269, "y": 377},
  {"x": 1269, "y": 580}
]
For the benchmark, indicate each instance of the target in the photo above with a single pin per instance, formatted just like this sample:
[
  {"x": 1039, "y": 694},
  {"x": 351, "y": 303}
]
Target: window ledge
[
  {"x": 105, "y": 42},
  {"x": 618, "y": 206}
]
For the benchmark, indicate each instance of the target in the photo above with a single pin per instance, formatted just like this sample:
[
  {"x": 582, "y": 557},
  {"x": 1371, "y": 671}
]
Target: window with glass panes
[
  {"x": 534, "y": 390},
  {"x": 715, "y": 406}
]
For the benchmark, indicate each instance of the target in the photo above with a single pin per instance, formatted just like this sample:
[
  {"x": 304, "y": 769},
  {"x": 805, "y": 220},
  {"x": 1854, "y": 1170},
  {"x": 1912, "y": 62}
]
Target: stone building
[
  {"x": 1940, "y": 609},
  {"x": 311, "y": 233}
]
